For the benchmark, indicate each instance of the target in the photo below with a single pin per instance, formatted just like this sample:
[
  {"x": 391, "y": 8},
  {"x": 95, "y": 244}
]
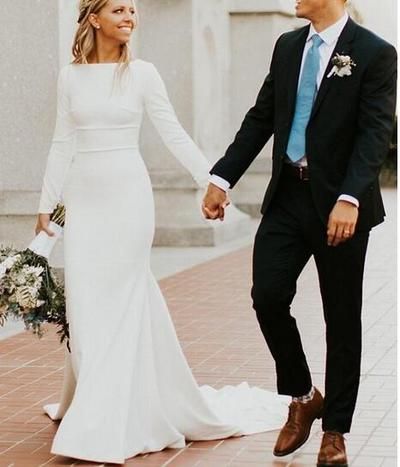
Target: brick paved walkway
[{"x": 211, "y": 308}]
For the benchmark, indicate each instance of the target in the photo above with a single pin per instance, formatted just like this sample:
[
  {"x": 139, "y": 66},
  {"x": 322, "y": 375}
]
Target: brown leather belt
[{"x": 296, "y": 172}]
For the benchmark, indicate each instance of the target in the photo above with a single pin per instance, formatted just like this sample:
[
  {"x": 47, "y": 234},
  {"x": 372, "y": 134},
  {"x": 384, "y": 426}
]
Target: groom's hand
[
  {"x": 342, "y": 223},
  {"x": 214, "y": 203}
]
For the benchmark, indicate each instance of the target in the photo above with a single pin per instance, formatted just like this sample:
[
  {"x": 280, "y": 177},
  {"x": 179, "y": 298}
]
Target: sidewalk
[{"x": 211, "y": 308}]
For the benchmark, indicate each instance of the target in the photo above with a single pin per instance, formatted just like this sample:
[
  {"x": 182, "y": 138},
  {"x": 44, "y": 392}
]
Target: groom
[{"x": 329, "y": 101}]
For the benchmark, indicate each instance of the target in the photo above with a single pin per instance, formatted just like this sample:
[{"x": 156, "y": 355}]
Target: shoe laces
[{"x": 292, "y": 421}]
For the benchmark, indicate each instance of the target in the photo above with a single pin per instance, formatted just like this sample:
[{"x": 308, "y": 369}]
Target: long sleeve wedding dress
[{"x": 127, "y": 386}]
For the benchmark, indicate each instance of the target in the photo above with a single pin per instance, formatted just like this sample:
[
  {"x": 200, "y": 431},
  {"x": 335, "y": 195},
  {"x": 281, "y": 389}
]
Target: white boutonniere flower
[{"x": 342, "y": 66}]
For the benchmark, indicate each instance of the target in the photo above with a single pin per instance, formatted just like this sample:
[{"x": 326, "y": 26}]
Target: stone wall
[{"x": 28, "y": 73}]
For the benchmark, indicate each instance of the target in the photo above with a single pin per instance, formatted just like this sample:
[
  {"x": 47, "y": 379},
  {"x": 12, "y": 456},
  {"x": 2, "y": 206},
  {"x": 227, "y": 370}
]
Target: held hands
[
  {"x": 342, "y": 222},
  {"x": 214, "y": 203},
  {"x": 43, "y": 221}
]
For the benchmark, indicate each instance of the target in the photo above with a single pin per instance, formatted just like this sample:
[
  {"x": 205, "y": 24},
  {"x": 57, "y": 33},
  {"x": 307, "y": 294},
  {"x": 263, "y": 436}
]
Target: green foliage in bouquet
[{"x": 29, "y": 290}]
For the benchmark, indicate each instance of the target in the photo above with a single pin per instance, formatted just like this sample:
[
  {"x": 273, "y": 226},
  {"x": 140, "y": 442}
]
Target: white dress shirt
[{"x": 330, "y": 37}]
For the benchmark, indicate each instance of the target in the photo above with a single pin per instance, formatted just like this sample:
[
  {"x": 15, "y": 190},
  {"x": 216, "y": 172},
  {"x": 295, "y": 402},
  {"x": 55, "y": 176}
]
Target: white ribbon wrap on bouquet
[{"x": 42, "y": 244}]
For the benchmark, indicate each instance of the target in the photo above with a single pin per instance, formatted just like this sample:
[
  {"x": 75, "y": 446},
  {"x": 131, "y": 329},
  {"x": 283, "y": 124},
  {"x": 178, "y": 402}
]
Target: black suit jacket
[{"x": 349, "y": 131}]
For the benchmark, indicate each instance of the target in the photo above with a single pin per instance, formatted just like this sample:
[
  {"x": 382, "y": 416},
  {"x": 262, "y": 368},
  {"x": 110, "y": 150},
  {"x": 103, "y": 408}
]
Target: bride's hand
[{"x": 43, "y": 221}]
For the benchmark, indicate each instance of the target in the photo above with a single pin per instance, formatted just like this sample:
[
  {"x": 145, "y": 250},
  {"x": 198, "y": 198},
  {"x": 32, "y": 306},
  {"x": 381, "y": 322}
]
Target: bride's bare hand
[{"x": 43, "y": 221}]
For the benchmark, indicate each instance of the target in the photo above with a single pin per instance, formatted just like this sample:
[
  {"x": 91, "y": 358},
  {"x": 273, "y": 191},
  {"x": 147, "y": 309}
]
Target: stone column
[
  {"x": 28, "y": 73},
  {"x": 180, "y": 42}
]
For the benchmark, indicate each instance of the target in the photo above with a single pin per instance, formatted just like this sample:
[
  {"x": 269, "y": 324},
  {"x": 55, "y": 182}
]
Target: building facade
[{"x": 213, "y": 56}]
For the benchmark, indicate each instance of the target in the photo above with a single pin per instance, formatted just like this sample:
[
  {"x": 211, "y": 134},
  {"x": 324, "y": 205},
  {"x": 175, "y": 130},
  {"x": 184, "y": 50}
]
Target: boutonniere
[{"x": 342, "y": 66}]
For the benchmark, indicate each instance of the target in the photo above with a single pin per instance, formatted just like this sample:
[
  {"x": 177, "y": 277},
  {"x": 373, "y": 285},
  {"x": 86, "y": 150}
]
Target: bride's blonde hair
[{"x": 85, "y": 37}]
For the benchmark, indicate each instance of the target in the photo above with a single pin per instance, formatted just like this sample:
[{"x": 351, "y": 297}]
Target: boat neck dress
[{"x": 127, "y": 386}]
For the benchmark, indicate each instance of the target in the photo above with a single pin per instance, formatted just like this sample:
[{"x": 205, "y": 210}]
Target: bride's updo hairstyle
[{"x": 85, "y": 37}]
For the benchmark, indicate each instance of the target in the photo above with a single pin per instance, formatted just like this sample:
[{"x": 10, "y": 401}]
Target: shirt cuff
[
  {"x": 349, "y": 199},
  {"x": 219, "y": 182}
]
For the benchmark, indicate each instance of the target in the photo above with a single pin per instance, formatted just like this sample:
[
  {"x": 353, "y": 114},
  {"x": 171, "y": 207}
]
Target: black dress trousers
[{"x": 290, "y": 232}]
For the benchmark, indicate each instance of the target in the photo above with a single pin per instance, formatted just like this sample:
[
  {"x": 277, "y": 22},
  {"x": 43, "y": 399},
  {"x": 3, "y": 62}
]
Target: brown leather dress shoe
[
  {"x": 333, "y": 451},
  {"x": 297, "y": 428}
]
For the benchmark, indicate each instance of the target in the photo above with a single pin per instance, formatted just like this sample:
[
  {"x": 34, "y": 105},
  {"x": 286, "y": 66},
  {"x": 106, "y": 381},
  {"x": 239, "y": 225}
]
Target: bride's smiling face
[{"x": 116, "y": 20}]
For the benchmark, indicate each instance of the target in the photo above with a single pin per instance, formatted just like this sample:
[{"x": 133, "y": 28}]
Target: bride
[{"x": 127, "y": 386}]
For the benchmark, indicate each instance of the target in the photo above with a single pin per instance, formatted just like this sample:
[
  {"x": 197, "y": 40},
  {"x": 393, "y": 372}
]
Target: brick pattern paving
[{"x": 211, "y": 308}]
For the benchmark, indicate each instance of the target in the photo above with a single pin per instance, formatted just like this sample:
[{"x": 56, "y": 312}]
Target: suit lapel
[
  {"x": 294, "y": 65},
  {"x": 343, "y": 47}
]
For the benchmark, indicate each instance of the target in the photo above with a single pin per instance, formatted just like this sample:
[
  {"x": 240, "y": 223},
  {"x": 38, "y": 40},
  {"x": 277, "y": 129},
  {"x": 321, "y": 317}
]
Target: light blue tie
[{"x": 304, "y": 102}]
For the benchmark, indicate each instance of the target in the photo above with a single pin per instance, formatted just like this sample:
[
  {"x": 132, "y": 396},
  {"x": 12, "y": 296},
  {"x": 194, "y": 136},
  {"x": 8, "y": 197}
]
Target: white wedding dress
[{"x": 127, "y": 386}]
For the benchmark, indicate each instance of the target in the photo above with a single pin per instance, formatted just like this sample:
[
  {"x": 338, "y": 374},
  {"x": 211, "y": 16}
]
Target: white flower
[
  {"x": 9, "y": 262},
  {"x": 33, "y": 291},
  {"x": 20, "y": 278},
  {"x": 342, "y": 66},
  {"x": 37, "y": 271},
  {"x": 32, "y": 270}
]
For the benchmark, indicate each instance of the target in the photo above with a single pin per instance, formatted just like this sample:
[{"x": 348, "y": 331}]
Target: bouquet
[{"x": 28, "y": 288}]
